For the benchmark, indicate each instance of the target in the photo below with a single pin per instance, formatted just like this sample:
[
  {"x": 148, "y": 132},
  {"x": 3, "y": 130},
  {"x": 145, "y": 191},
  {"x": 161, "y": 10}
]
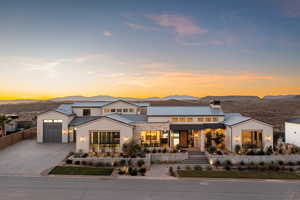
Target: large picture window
[
  {"x": 153, "y": 138},
  {"x": 105, "y": 141},
  {"x": 252, "y": 139}
]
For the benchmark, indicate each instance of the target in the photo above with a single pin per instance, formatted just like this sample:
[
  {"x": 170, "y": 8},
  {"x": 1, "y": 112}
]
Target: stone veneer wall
[
  {"x": 169, "y": 156},
  {"x": 247, "y": 159}
]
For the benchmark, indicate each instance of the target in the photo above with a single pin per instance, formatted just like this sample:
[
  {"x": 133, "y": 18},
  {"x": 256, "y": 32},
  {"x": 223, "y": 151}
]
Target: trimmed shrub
[
  {"x": 187, "y": 167},
  {"x": 142, "y": 171},
  {"x": 154, "y": 151},
  {"x": 228, "y": 162},
  {"x": 99, "y": 164},
  {"x": 164, "y": 150},
  {"x": 198, "y": 168},
  {"x": 77, "y": 162},
  {"x": 280, "y": 162},
  {"x": 84, "y": 162},
  {"x": 217, "y": 163},
  {"x": 134, "y": 172},
  {"x": 262, "y": 163},
  {"x": 242, "y": 163},
  {"x": 208, "y": 168},
  {"x": 116, "y": 164},
  {"x": 219, "y": 153},
  {"x": 227, "y": 167},
  {"x": 290, "y": 163},
  {"x": 121, "y": 172},
  {"x": 69, "y": 161},
  {"x": 237, "y": 148},
  {"x": 171, "y": 171}
]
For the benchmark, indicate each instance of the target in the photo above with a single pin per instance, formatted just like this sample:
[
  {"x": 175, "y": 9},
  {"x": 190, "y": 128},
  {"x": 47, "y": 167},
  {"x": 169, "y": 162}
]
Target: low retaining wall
[
  {"x": 236, "y": 159},
  {"x": 111, "y": 160},
  {"x": 16, "y": 137},
  {"x": 170, "y": 157}
]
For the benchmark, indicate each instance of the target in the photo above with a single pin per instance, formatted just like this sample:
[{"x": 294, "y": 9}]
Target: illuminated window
[
  {"x": 106, "y": 110},
  {"x": 252, "y": 139},
  {"x": 57, "y": 121},
  {"x": 200, "y": 119},
  {"x": 131, "y": 110},
  {"x": 119, "y": 110},
  {"x": 125, "y": 110},
  {"x": 104, "y": 140},
  {"x": 189, "y": 119},
  {"x": 48, "y": 121},
  {"x": 174, "y": 119},
  {"x": 208, "y": 119},
  {"x": 182, "y": 119},
  {"x": 215, "y": 119},
  {"x": 153, "y": 138}
]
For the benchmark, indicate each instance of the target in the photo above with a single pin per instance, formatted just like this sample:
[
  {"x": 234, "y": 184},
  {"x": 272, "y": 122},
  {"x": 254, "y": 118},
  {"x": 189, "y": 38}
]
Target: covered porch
[{"x": 197, "y": 136}]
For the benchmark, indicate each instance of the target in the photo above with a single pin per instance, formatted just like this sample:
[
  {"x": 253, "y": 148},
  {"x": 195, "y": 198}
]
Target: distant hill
[
  {"x": 110, "y": 98},
  {"x": 231, "y": 98},
  {"x": 180, "y": 97},
  {"x": 290, "y": 96},
  {"x": 17, "y": 101}
]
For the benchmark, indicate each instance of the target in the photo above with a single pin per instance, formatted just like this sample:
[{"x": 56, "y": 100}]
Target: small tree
[
  {"x": 131, "y": 148},
  {"x": 4, "y": 120}
]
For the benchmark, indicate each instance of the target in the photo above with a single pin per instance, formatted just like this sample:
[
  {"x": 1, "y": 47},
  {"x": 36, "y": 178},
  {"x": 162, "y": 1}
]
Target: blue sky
[{"x": 149, "y": 48}]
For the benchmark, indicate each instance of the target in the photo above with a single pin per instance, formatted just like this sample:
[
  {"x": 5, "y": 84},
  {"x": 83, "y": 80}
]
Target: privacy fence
[{"x": 16, "y": 137}]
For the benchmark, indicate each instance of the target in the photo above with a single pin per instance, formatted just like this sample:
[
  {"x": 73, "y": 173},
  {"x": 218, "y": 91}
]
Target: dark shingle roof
[{"x": 82, "y": 120}]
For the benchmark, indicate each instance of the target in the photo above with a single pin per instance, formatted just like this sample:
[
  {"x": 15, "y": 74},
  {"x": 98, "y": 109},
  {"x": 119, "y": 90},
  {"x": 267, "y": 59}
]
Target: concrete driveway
[{"x": 27, "y": 158}]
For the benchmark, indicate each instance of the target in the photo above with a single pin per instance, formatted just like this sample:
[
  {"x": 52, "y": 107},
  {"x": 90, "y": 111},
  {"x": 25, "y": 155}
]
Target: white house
[
  {"x": 106, "y": 126},
  {"x": 292, "y": 131}
]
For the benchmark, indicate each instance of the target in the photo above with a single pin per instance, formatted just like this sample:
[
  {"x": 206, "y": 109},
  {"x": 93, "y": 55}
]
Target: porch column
[
  {"x": 202, "y": 146},
  {"x": 171, "y": 139}
]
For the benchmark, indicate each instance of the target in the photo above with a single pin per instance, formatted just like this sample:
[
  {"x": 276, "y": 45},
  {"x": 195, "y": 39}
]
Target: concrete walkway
[
  {"x": 159, "y": 171},
  {"x": 27, "y": 158}
]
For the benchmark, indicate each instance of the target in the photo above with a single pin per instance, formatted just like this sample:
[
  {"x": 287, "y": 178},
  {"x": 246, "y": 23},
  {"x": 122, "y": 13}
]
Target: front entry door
[{"x": 183, "y": 139}]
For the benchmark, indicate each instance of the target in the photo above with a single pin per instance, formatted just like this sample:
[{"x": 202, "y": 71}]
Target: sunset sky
[{"x": 149, "y": 48}]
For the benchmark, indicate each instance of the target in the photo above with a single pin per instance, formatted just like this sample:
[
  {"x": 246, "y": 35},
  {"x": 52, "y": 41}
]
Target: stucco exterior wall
[
  {"x": 94, "y": 111},
  {"x": 148, "y": 127},
  {"x": 195, "y": 119},
  {"x": 102, "y": 124},
  {"x": 292, "y": 133},
  {"x": 121, "y": 105},
  {"x": 267, "y": 132},
  {"x": 52, "y": 115}
]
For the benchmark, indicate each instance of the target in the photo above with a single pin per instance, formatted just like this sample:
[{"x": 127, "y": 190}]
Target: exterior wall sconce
[
  {"x": 237, "y": 138},
  {"x": 268, "y": 138},
  {"x": 65, "y": 132},
  {"x": 82, "y": 139},
  {"x": 125, "y": 139}
]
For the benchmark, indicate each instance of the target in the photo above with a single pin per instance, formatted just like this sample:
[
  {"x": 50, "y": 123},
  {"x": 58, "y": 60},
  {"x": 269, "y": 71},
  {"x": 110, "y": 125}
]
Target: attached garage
[
  {"x": 52, "y": 127},
  {"x": 52, "y": 131}
]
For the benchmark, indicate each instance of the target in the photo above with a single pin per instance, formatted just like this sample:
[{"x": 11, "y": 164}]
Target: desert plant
[
  {"x": 219, "y": 153},
  {"x": 99, "y": 164},
  {"x": 140, "y": 163},
  {"x": 212, "y": 149},
  {"x": 227, "y": 167},
  {"x": 133, "y": 172},
  {"x": 154, "y": 151},
  {"x": 84, "y": 162},
  {"x": 217, "y": 163}
]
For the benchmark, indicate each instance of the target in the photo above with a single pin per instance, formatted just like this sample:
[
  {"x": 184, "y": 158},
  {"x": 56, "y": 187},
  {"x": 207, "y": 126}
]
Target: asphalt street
[{"x": 61, "y": 188}]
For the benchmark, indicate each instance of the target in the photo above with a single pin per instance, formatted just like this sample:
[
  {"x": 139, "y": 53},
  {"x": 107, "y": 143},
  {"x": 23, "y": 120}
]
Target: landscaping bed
[
  {"x": 238, "y": 174},
  {"x": 70, "y": 170}
]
